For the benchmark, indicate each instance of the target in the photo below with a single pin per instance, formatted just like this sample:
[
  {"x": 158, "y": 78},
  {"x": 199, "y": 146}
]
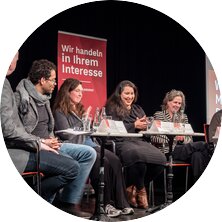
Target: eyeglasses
[{"x": 53, "y": 81}]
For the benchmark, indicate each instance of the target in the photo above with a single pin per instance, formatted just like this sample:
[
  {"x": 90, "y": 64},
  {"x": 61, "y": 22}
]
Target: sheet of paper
[
  {"x": 71, "y": 131},
  {"x": 111, "y": 126},
  {"x": 170, "y": 127}
]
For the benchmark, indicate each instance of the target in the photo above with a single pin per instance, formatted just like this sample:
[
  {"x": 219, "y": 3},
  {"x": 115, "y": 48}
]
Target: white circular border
[{"x": 20, "y": 18}]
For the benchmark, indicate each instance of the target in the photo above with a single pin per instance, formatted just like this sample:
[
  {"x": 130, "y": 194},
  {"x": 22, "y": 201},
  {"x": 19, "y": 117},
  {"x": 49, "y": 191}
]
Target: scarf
[{"x": 26, "y": 89}]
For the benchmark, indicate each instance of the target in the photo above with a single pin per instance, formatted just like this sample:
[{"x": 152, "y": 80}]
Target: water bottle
[
  {"x": 182, "y": 119},
  {"x": 103, "y": 114},
  {"x": 174, "y": 117},
  {"x": 96, "y": 120}
]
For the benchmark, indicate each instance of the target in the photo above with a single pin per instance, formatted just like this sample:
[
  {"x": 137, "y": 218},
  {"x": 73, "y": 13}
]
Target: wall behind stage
[{"x": 143, "y": 45}]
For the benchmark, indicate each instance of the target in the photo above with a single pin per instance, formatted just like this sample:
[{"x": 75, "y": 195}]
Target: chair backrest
[
  {"x": 211, "y": 145},
  {"x": 178, "y": 164},
  {"x": 34, "y": 173}
]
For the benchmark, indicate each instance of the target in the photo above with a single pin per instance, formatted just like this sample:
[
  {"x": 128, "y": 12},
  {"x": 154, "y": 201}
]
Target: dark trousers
[
  {"x": 115, "y": 189},
  {"x": 140, "y": 174},
  {"x": 196, "y": 153},
  {"x": 58, "y": 170}
]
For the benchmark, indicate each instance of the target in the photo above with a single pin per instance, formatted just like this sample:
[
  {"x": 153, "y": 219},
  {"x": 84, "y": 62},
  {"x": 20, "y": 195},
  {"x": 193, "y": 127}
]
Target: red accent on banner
[{"x": 84, "y": 58}]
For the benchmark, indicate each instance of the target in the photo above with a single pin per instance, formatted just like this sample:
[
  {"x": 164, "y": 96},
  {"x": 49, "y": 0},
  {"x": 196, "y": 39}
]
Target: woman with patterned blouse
[{"x": 184, "y": 149}]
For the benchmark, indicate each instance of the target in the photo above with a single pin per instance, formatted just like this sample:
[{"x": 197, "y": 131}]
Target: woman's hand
[
  {"x": 180, "y": 138},
  {"x": 141, "y": 123},
  {"x": 89, "y": 109}
]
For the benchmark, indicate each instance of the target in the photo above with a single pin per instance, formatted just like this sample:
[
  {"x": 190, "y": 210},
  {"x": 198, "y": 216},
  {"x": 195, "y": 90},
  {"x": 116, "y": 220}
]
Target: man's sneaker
[
  {"x": 111, "y": 211},
  {"x": 127, "y": 211}
]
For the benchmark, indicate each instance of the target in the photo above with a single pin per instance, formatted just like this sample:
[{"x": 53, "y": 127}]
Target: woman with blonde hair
[{"x": 184, "y": 149}]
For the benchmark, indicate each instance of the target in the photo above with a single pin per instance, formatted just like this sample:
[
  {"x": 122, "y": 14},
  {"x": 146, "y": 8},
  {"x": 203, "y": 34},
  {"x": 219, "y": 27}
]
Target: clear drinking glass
[
  {"x": 182, "y": 120},
  {"x": 96, "y": 120},
  {"x": 86, "y": 121},
  {"x": 150, "y": 120},
  {"x": 77, "y": 128}
]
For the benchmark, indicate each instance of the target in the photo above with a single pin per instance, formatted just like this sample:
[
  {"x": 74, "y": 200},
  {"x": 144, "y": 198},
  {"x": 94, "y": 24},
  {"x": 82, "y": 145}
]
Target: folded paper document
[
  {"x": 72, "y": 131},
  {"x": 111, "y": 126},
  {"x": 170, "y": 127}
]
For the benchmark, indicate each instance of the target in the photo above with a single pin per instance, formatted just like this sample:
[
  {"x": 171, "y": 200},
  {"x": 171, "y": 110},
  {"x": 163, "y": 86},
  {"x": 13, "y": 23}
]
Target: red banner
[{"x": 84, "y": 58}]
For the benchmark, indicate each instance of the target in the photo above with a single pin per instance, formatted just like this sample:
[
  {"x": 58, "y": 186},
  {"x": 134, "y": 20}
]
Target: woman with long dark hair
[
  {"x": 142, "y": 161},
  {"x": 68, "y": 112}
]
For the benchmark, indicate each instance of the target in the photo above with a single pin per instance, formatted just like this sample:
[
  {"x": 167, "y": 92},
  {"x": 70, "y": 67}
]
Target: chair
[
  {"x": 176, "y": 164},
  {"x": 35, "y": 175},
  {"x": 206, "y": 132},
  {"x": 207, "y": 138},
  {"x": 36, "y": 179}
]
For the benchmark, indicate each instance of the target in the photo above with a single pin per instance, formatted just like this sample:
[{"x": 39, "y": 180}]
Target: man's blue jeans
[
  {"x": 85, "y": 156},
  {"x": 58, "y": 171}
]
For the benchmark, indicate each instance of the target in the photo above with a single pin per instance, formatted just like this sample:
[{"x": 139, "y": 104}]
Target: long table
[{"x": 100, "y": 214}]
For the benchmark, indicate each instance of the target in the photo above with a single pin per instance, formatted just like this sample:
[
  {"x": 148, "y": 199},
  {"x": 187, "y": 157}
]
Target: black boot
[{"x": 73, "y": 209}]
